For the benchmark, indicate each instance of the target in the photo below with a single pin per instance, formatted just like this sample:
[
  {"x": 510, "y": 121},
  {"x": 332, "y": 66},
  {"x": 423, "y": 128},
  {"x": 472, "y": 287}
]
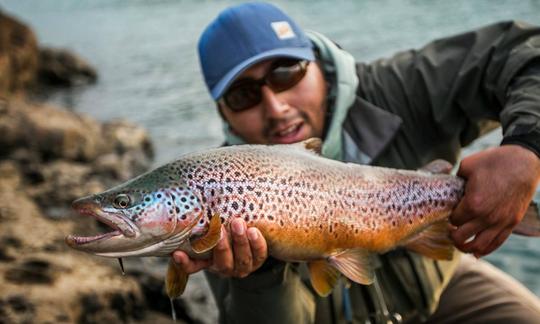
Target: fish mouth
[{"x": 120, "y": 226}]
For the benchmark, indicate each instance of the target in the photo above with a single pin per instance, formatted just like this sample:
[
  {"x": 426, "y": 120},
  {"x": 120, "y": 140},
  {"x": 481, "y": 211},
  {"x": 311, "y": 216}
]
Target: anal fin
[
  {"x": 323, "y": 277},
  {"x": 355, "y": 264},
  {"x": 433, "y": 242},
  {"x": 210, "y": 239}
]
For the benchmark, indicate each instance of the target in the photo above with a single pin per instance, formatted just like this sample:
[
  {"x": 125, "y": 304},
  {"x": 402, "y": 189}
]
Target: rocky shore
[{"x": 50, "y": 156}]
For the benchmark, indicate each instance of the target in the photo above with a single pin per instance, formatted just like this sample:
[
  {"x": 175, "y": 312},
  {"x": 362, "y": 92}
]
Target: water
[{"x": 145, "y": 53}]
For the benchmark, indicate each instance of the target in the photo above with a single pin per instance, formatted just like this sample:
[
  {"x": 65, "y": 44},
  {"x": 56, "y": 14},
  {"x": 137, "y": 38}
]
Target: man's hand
[
  {"x": 240, "y": 251},
  {"x": 500, "y": 184}
]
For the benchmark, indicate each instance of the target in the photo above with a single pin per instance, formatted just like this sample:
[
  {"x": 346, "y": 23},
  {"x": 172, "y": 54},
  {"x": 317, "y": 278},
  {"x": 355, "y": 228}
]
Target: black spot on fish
[
  {"x": 183, "y": 199},
  {"x": 229, "y": 189},
  {"x": 234, "y": 205},
  {"x": 159, "y": 196}
]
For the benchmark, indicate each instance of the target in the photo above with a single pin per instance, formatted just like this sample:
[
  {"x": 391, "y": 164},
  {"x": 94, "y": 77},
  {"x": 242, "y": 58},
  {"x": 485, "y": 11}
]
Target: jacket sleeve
[
  {"x": 273, "y": 294},
  {"x": 453, "y": 85}
]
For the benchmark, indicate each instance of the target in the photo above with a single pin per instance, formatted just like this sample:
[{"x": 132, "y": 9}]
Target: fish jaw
[{"x": 125, "y": 234}]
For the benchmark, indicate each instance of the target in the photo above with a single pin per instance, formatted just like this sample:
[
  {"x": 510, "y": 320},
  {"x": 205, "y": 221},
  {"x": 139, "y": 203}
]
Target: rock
[
  {"x": 31, "y": 271},
  {"x": 18, "y": 56},
  {"x": 62, "y": 67},
  {"x": 50, "y": 132},
  {"x": 63, "y": 156},
  {"x": 48, "y": 157},
  {"x": 63, "y": 182},
  {"x": 127, "y": 137},
  {"x": 52, "y": 279}
]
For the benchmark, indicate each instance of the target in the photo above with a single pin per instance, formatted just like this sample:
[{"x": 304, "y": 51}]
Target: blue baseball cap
[{"x": 244, "y": 35}]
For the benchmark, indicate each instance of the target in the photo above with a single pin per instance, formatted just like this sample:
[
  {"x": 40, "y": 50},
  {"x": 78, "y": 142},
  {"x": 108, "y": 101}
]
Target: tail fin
[{"x": 530, "y": 224}]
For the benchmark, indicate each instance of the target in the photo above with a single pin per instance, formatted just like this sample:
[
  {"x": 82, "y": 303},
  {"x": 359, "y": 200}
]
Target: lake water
[{"x": 145, "y": 53}]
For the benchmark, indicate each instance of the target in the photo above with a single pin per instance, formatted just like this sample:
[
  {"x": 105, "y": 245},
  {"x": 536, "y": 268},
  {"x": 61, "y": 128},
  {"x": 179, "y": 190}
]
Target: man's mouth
[{"x": 292, "y": 133}]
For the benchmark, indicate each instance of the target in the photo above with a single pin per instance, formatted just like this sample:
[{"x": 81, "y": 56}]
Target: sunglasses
[{"x": 283, "y": 75}]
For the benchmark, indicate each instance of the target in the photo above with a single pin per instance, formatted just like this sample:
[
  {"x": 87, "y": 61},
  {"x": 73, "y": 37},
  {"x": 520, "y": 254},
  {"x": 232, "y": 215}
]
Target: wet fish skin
[
  {"x": 295, "y": 197},
  {"x": 307, "y": 207}
]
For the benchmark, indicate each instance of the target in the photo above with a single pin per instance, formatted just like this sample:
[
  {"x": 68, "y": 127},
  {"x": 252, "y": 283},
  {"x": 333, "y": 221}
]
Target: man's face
[{"x": 283, "y": 117}]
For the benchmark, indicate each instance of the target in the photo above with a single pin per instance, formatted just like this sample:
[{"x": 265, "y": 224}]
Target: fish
[{"x": 332, "y": 215}]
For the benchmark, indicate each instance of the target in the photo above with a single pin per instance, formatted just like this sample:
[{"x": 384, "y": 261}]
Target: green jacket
[{"x": 407, "y": 110}]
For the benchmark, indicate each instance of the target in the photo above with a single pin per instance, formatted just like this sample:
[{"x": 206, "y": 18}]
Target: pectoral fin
[
  {"x": 210, "y": 239},
  {"x": 323, "y": 276},
  {"x": 355, "y": 264},
  {"x": 433, "y": 242},
  {"x": 530, "y": 224},
  {"x": 176, "y": 280}
]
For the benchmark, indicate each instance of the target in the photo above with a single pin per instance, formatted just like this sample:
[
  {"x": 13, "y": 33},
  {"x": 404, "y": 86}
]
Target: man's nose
[{"x": 273, "y": 106}]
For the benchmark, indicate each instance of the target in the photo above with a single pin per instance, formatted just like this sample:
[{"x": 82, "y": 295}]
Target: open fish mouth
[{"x": 119, "y": 225}]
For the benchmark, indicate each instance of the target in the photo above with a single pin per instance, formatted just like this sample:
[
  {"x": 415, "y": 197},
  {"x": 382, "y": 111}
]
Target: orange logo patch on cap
[{"x": 283, "y": 30}]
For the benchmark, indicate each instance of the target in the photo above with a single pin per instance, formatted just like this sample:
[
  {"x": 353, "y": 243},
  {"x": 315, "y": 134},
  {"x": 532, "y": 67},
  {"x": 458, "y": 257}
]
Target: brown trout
[{"x": 331, "y": 214}]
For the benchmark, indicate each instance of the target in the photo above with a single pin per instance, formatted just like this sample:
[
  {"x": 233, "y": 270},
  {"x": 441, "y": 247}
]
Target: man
[{"x": 274, "y": 84}]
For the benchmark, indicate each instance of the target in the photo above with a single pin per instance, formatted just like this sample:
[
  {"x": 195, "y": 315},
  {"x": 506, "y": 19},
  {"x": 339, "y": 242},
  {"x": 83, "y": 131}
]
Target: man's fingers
[
  {"x": 463, "y": 233},
  {"x": 259, "y": 250},
  {"x": 242, "y": 251},
  {"x": 189, "y": 265},
  {"x": 461, "y": 214},
  {"x": 497, "y": 241},
  {"x": 481, "y": 241},
  {"x": 223, "y": 255}
]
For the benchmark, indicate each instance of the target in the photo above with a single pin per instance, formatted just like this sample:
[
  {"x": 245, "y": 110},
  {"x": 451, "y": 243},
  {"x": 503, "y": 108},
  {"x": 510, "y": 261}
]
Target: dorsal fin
[
  {"x": 313, "y": 144},
  {"x": 438, "y": 166}
]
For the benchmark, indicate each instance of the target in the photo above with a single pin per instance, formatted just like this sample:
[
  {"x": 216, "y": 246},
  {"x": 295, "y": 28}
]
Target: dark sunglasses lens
[
  {"x": 286, "y": 74},
  {"x": 243, "y": 96}
]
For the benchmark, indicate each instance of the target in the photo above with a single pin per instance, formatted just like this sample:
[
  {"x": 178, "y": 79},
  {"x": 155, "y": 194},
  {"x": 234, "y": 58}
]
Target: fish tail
[{"x": 530, "y": 224}]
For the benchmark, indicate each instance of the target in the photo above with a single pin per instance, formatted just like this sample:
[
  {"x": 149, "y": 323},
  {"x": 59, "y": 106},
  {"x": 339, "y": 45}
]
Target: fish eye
[{"x": 122, "y": 201}]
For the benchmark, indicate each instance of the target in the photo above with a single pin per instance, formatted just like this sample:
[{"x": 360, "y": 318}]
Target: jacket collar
[{"x": 367, "y": 131}]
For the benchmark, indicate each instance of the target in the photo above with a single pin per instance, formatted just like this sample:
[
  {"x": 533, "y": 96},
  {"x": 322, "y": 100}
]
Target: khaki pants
[{"x": 480, "y": 293}]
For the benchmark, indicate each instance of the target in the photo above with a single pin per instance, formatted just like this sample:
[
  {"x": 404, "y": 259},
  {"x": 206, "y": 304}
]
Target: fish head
[{"x": 142, "y": 213}]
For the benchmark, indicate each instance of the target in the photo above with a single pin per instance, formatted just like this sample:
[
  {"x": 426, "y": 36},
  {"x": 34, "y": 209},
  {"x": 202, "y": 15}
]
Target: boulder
[
  {"x": 62, "y": 67},
  {"x": 44, "y": 281},
  {"x": 18, "y": 56}
]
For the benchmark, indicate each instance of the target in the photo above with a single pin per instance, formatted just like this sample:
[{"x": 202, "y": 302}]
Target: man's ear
[{"x": 219, "y": 108}]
